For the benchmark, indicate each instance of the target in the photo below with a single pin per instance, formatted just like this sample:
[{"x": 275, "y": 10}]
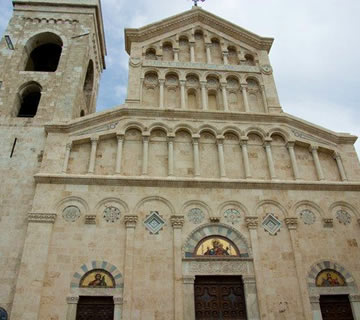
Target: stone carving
[
  {"x": 71, "y": 213},
  {"x": 217, "y": 267},
  {"x": 177, "y": 222},
  {"x": 310, "y": 137},
  {"x": 90, "y": 219},
  {"x": 154, "y": 222},
  {"x": 343, "y": 217},
  {"x": 307, "y": 216},
  {"x": 232, "y": 216},
  {"x": 130, "y": 221},
  {"x": 111, "y": 214},
  {"x": 196, "y": 215},
  {"x": 266, "y": 69},
  {"x": 328, "y": 222},
  {"x": 271, "y": 224},
  {"x": 135, "y": 62},
  {"x": 252, "y": 222},
  {"x": 109, "y": 126},
  {"x": 36, "y": 217}
]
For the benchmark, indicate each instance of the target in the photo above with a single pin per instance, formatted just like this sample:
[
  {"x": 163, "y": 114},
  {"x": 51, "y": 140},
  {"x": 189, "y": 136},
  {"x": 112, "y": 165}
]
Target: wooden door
[
  {"x": 336, "y": 307},
  {"x": 95, "y": 308},
  {"x": 219, "y": 297}
]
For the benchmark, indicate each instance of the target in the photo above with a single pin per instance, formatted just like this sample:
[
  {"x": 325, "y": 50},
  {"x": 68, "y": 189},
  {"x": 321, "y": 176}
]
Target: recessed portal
[
  {"x": 219, "y": 297},
  {"x": 95, "y": 308},
  {"x": 336, "y": 307}
]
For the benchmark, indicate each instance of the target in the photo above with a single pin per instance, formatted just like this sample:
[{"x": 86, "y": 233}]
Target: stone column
[
  {"x": 182, "y": 94},
  {"x": 145, "y": 155},
  {"x": 94, "y": 142},
  {"x": 161, "y": 102},
  {"x": 72, "y": 302},
  {"x": 208, "y": 53},
  {"x": 67, "y": 157},
  {"x": 141, "y": 90},
  {"x": 120, "y": 140},
  {"x": 130, "y": 224},
  {"x": 263, "y": 94},
  {"x": 252, "y": 306},
  {"x": 118, "y": 303},
  {"x": 225, "y": 57},
  {"x": 189, "y": 298},
  {"x": 204, "y": 95},
  {"x": 225, "y": 97},
  {"x": 220, "y": 145},
  {"x": 177, "y": 223},
  {"x": 33, "y": 267},
  {"x": 192, "y": 52},
  {"x": 319, "y": 171},
  {"x": 171, "y": 156},
  {"x": 196, "y": 156},
  {"x": 269, "y": 157},
  {"x": 355, "y": 306},
  {"x": 252, "y": 225},
  {"x": 315, "y": 307},
  {"x": 245, "y": 155},
  {"x": 176, "y": 54},
  {"x": 245, "y": 97},
  {"x": 340, "y": 166},
  {"x": 291, "y": 148},
  {"x": 292, "y": 224}
]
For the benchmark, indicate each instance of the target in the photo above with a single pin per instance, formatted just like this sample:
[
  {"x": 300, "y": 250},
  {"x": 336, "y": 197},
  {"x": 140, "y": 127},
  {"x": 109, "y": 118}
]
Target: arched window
[
  {"x": 44, "y": 51},
  {"x": 97, "y": 278},
  {"x": 150, "y": 54},
  {"x": 28, "y": 100},
  {"x": 250, "y": 61},
  {"x": 82, "y": 113},
  {"x": 168, "y": 53},
  {"x": 89, "y": 85},
  {"x": 216, "y": 246}
]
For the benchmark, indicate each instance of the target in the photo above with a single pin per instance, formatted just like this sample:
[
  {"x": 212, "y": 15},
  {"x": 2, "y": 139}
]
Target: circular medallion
[
  {"x": 111, "y": 214},
  {"x": 232, "y": 216},
  {"x": 307, "y": 216},
  {"x": 343, "y": 217},
  {"x": 196, "y": 215},
  {"x": 71, "y": 213},
  {"x": 266, "y": 69}
]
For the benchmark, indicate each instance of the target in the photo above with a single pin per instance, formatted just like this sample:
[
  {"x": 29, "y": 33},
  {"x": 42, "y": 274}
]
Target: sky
[{"x": 315, "y": 55}]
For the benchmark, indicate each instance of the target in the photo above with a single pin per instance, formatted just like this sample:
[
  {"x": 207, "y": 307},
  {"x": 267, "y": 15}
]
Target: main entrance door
[
  {"x": 219, "y": 297},
  {"x": 336, "y": 307},
  {"x": 95, "y": 308}
]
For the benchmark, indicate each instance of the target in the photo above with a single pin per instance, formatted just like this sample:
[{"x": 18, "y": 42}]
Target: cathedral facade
[{"x": 198, "y": 198}]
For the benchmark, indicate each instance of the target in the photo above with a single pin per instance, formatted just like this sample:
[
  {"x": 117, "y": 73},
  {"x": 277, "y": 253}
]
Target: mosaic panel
[
  {"x": 271, "y": 224},
  {"x": 330, "y": 278},
  {"x": 111, "y": 214},
  {"x": 71, "y": 213},
  {"x": 216, "y": 246},
  {"x": 343, "y": 217},
  {"x": 196, "y": 215},
  {"x": 97, "y": 278},
  {"x": 232, "y": 216},
  {"x": 154, "y": 222},
  {"x": 307, "y": 216}
]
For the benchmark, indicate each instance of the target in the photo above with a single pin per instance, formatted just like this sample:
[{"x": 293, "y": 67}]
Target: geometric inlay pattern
[
  {"x": 343, "y": 217},
  {"x": 154, "y": 222},
  {"x": 196, "y": 215},
  {"x": 271, "y": 224},
  {"x": 232, "y": 216},
  {"x": 307, "y": 216},
  {"x": 71, "y": 213},
  {"x": 111, "y": 214}
]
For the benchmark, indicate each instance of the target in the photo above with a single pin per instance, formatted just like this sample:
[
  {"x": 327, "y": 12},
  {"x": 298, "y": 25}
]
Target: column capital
[
  {"x": 314, "y": 299},
  {"x": 225, "y": 53},
  {"x": 195, "y": 138},
  {"x": 72, "y": 299},
  {"x": 203, "y": 83},
  {"x": 146, "y": 135},
  {"x": 120, "y": 136},
  {"x": 244, "y": 140},
  {"x": 328, "y": 222},
  {"x": 336, "y": 155},
  {"x": 220, "y": 138},
  {"x": 182, "y": 82},
  {"x": 249, "y": 279},
  {"x": 290, "y": 145},
  {"x": 313, "y": 148},
  {"x": 170, "y": 137},
  {"x": 354, "y": 298},
  {"x": 90, "y": 219},
  {"x": 94, "y": 140},
  {"x": 69, "y": 145},
  {"x": 252, "y": 222},
  {"x": 39, "y": 217},
  {"x": 177, "y": 222},
  {"x": 130, "y": 221},
  {"x": 244, "y": 86},
  {"x": 175, "y": 49},
  {"x": 291, "y": 223},
  {"x": 188, "y": 279},
  {"x": 118, "y": 300},
  {"x": 162, "y": 81}
]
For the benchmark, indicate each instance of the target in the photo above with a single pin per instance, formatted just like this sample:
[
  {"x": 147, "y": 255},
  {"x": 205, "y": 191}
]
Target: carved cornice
[
  {"x": 177, "y": 222},
  {"x": 91, "y": 179},
  {"x": 194, "y": 16},
  {"x": 37, "y": 217}
]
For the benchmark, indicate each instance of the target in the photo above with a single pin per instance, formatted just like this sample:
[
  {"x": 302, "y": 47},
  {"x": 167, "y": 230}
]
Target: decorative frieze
[
  {"x": 90, "y": 219},
  {"x": 216, "y": 267},
  {"x": 252, "y": 222},
  {"x": 36, "y": 217}
]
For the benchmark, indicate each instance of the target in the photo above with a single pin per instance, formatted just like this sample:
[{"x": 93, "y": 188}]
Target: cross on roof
[{"x": 196, "y": 2}]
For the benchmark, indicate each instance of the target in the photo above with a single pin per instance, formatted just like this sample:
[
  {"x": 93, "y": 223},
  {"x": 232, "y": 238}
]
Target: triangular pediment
[{"x": 196, "y": 15}]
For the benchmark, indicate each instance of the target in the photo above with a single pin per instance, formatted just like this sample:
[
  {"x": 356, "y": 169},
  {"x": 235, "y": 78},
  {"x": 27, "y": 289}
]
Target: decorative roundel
[
  {"x": 307, "y": 216},
  {"x": 71, "y": 213},
  {"x": 196, "y": 215},
  {"x": 266, "y": 69},
  {"x": 232, "y": 216},
  {"x": 343, "y": 217},
  {"x": 111, "y": 214}
]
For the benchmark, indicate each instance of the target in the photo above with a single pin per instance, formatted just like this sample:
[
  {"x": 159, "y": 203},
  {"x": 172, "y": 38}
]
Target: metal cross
[{"x": 196, "y": 2}]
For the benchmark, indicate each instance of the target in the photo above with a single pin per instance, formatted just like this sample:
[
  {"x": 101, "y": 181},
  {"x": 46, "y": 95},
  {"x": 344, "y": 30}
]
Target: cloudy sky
[{"x": 315, "y": 55}]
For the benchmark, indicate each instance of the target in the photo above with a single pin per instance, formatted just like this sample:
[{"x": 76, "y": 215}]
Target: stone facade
[{"x": 200, "y": 148}]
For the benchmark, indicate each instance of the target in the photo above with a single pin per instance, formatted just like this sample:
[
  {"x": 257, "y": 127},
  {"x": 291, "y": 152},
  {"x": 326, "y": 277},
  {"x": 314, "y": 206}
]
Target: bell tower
[{"x": 51, "y": 59}]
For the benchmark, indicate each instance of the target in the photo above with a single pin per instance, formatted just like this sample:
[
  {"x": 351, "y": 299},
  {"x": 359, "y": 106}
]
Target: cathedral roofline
[
  {"x": 196, "y": 14},
  {"x": 74, "y": 3}
]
